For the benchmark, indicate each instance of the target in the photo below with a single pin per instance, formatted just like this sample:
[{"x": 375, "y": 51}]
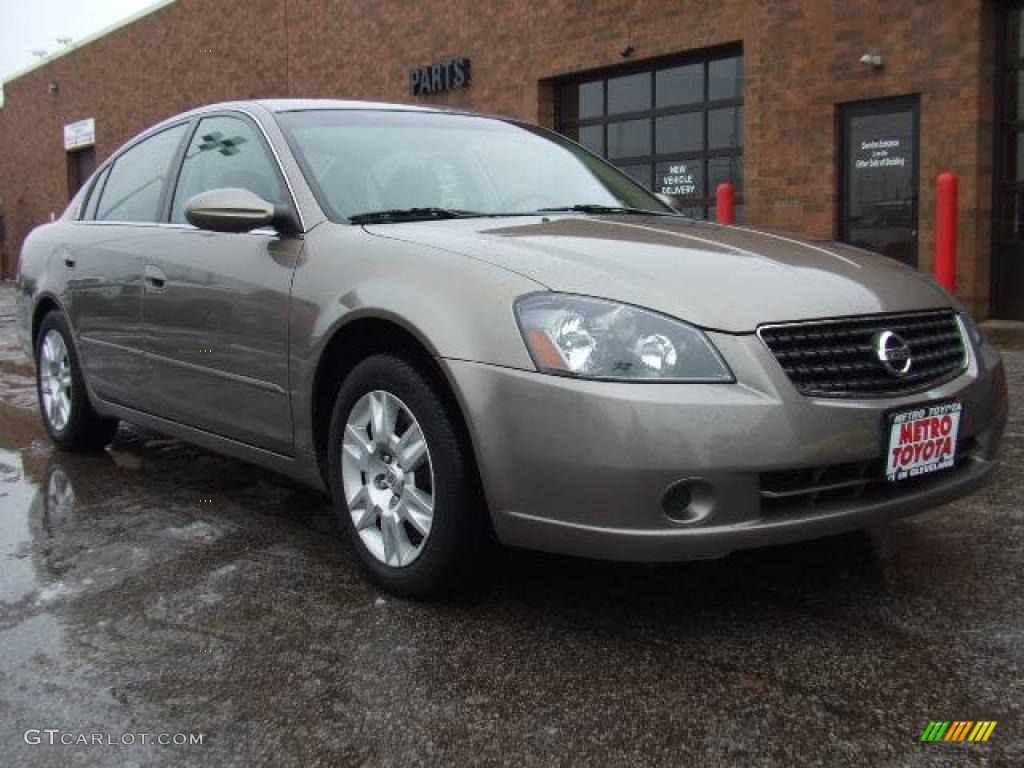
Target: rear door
[
  {"x": 103, "y": 265},
  {"x": 216, "y": 305}
]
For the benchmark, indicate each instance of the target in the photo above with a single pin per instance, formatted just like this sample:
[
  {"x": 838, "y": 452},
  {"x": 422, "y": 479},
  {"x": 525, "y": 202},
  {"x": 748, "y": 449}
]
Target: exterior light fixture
[
  {"x": 873, "y": 60},
  {"x": 629, "y": 49}
]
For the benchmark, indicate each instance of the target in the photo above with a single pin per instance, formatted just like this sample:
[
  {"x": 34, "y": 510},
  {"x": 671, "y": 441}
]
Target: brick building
[{"x": 833, "y": 117}]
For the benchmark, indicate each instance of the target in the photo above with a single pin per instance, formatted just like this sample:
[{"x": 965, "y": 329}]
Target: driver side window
[{"x": 225, "y": 152}]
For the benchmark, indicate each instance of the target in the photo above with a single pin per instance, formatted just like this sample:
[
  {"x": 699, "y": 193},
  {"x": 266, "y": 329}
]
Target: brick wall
[
  {"x": 800, "y": 61},
  {"x": 128, "y": 80}
]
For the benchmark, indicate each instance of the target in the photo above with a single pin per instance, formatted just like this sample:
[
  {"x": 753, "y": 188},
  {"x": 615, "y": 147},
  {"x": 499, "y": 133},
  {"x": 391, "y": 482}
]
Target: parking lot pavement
[{"x": 159, "y": 589}]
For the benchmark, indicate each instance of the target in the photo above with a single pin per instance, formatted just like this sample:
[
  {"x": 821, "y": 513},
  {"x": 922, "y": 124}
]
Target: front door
[
  {"x": 878, "y": 176},
  {"x": 216, "y": 305}
]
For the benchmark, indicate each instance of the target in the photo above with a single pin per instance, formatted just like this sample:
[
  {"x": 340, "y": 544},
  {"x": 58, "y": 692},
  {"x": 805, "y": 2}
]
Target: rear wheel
[
  {"x": 403, "y": 482},
  {"x": 67, "y": 414}
]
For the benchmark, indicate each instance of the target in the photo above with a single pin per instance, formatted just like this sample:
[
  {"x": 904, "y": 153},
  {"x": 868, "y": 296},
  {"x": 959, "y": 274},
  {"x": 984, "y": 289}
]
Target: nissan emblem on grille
[
  {"x": 893, "y": 353},
  {"x": 869, "y": 355}
]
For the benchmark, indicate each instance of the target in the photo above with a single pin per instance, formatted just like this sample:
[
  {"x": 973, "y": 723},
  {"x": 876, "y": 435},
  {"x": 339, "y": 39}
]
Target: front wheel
[
  {"x": 67, "y": 413},
  {"x": 402, "y": 478}
]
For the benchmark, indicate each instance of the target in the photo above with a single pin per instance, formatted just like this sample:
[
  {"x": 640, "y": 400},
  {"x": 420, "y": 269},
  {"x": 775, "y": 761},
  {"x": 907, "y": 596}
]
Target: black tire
[
  {"x": 458, "y": 531},
  {"x": 85, "y": 430}
]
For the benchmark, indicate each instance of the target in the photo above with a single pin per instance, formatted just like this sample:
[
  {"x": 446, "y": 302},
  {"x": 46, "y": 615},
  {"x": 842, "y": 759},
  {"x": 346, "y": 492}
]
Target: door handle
[
  {"x": 155, "y": 277},
  {"x": 69, "y": 262}
]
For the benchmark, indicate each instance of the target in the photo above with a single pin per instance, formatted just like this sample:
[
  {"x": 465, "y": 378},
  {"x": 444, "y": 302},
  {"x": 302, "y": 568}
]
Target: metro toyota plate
[{"x": 922, "y": 440}]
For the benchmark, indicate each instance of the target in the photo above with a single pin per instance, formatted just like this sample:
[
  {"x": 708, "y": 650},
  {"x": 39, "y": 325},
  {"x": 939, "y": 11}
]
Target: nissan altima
[{"x": 466, "y": 327}]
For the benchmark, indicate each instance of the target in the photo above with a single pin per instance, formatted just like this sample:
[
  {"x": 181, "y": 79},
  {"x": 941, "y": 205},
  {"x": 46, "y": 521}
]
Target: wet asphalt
[{"x": 159, "y": 589}]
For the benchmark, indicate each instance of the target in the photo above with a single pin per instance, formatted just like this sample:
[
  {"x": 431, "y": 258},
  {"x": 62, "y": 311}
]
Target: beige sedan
[{"x": 468, "y": 328}]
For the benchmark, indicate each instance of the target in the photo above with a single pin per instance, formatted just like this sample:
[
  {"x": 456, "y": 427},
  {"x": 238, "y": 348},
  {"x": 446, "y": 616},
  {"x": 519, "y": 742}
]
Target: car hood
[{"x": 724, "y": 278}]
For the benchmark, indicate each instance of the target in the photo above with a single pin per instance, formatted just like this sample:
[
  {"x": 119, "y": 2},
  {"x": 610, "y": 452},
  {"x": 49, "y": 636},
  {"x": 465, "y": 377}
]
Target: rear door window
[
  {"x": 94, "y": 195},
  {"x": 136, "y": 181}
]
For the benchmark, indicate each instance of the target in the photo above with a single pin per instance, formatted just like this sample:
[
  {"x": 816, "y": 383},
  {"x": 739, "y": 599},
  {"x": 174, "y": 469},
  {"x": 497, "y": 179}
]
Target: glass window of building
[
  {"x": 1008, "y": 253},
  {"x": 676, "y": 128}
]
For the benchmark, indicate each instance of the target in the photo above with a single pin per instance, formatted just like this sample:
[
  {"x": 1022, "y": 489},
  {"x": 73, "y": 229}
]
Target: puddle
[
  {"x": 37, "y": 639},
  {"x": 19, "y": 503}
]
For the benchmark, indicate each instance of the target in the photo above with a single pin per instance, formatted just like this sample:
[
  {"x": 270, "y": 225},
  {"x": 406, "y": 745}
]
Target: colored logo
[
  {"x": 893, "y": 353},
  {"x": 958, "y": 730}
]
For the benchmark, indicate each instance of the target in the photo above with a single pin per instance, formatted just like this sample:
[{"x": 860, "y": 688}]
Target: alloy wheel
[
  {"x": 388, "y": 478},
  {"x": 55, "y": 380}
]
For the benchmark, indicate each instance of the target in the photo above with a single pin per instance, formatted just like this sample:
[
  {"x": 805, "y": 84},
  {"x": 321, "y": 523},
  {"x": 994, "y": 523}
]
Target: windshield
[{"x": 364, "y": 162}]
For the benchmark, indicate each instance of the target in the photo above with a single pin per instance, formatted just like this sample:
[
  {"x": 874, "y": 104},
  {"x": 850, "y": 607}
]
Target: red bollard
[
  {"x": 725, "y": 200},
  {"x": 945, "y": 230}
]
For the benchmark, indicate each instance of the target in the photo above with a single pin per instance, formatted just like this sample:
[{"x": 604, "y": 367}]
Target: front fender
[{"x": 458, "y": 307}]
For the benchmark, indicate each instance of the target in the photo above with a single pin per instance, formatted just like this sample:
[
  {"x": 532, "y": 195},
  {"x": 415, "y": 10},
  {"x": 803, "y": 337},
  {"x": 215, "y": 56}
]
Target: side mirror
[{"x": 230, "y": 210}]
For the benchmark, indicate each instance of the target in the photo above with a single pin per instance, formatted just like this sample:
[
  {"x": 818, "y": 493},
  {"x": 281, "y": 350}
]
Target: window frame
[
  {"x": 105, "y": 170},
  {"x": 261, "y": 139},
  {"x": 94, "y": 192},
  {"x": 704, "y": 57},
  {"x": 1007, "y": 130},
  {"x": 97, "y": 185}
]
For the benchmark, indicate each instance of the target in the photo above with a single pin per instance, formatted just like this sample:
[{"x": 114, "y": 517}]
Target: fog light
[
  {"x": 688, "y": 501},
  {"x": 676, "y": 501}
]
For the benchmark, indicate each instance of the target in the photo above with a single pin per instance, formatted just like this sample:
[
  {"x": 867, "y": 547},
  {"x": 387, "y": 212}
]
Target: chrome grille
[{"x": 836, "y": 358}]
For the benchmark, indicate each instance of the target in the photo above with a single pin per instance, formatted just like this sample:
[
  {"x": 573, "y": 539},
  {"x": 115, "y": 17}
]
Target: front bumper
[{"x": 582, "y": 467}]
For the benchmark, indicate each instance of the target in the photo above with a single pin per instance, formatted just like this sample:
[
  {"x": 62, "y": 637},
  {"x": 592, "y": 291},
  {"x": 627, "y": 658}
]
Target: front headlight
[{"x": 599, "y": 339}]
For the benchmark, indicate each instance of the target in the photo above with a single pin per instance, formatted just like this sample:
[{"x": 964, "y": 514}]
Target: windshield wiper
[
  {"x": 438, "y": 214},
  {"x": 411, "y": 214},
  {"x": 594, "y": 208}
]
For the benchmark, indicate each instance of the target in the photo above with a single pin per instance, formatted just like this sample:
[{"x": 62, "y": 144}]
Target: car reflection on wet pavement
[{"x": 160, "y": 589}]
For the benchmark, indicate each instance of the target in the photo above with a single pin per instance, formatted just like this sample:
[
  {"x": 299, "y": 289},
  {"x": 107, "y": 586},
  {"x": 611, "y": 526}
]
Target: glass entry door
[
  {"x": 1008, "y": 224},
  {"x": 81, "y": 164},
  {"x": 878, "y": 176}
]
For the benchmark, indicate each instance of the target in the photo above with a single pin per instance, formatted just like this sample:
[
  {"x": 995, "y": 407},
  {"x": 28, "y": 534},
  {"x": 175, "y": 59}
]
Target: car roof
[
  {"x": 292, "y": 105},
  {"x": 302, "y": 105}
]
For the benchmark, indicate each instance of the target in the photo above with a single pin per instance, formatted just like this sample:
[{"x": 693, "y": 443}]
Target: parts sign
[{"x": 446, "y": 75}]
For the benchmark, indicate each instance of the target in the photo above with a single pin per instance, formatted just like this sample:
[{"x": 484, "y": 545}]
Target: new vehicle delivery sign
[{"x": 922, "y": 440}]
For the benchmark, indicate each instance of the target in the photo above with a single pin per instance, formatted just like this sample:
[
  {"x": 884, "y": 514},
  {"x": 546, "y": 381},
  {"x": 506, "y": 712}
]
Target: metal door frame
[
  {"x": 908, "y": 103},
  {"x": 998, "y": 292}
]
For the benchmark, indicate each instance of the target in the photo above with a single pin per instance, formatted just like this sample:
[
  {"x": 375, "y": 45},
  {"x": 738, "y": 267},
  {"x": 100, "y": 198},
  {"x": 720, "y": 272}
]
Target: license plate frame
[{"x": 942, "y": 456}]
